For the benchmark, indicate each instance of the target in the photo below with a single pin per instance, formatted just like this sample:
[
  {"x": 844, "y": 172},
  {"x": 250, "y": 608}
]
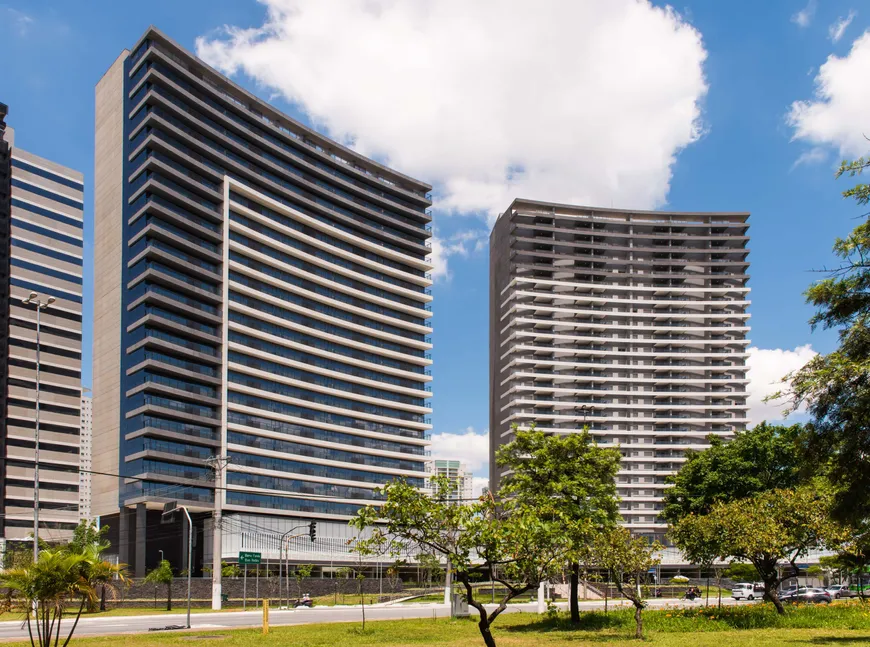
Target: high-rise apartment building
[
  {"x": 631, "y": 322},
  {"x": 41, "y": 216},
  {"x": 85, "y": 477},
  {"x": 458, "y": 473},
  {"x": 262, "y": 296}
]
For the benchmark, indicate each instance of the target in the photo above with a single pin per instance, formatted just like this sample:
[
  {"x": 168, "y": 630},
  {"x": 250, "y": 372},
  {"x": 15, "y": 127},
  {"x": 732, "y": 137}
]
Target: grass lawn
[
  {"x": 843, "y": 625},
  {"x": 343, "y": 598}
]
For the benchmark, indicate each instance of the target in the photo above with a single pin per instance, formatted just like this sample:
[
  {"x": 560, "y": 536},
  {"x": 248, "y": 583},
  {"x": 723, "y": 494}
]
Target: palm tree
[
  {"x": 162, "y": 575},
  {"x": 100, "y": 572},
  {"x": 44, "y": 589}
]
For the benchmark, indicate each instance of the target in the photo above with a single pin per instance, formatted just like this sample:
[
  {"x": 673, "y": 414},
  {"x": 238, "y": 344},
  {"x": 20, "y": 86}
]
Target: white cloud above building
[{"x": 584, "y": 102}]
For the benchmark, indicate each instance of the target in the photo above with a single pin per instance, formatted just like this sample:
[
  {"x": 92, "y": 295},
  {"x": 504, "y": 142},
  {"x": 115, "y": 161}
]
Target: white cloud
[
  {"x": 815, "y": 155},
  {"x": 836, "y": 31},
  {"x": 462, "y": 243},
  {"x": 19, "y": 20},
  {"x": 470, "y": 447},
  {"x": 767, "y": 367},
  {"x": 586, "y": 102},
  {"x": 804, "y": 17},
  {"x": 837, "y": 116}
]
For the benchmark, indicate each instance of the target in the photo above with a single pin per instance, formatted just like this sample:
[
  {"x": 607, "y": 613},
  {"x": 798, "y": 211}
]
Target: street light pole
[
  {"x": 41, "y": 305},
  {"x": 189, "y": 558},
  {"x": 168, "y": 513}
]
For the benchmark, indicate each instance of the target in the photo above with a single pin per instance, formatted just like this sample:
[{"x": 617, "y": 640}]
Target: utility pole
[
  {"x": 217, "y": 463},
  {"x": 41, "y": 305}
]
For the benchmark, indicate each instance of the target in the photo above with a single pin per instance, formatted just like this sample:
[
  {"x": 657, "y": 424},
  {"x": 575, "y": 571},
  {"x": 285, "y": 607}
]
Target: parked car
[
  {"x": 743, "y": 591},
  {"x": 806, "y": 595},
  {"x": 838, "y": 591}
]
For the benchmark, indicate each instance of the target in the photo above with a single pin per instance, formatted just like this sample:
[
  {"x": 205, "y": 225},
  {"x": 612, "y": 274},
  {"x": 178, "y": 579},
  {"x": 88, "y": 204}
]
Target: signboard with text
[{"x": 248, "y": 558}]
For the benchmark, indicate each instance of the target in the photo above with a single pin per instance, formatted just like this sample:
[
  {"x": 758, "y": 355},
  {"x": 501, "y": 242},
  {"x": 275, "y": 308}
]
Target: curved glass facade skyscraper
[
  {"x": 633, "y": 323},
  {"x": 269, "y": 293}
]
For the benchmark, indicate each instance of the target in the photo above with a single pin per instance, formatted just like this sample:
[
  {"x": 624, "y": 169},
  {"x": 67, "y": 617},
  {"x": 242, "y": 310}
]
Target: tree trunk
[
  {"x": 486, "y": 634},
  {"x": 707, "y": 602},
  {"x": 71, "y": 631},
  {"x": 103, "y": 598},
  {"x": 30, "y": 630},
  {"x": 484, "y": 624},
  {"x": 770, "y": 595},
  {"x": 59, "y": 615},
  {"x": 776, "y": 602},
  {"x": 169, "y": 597},
  {"x": 575, "y": 585},
  {"x": 638, "y": 621},
  {"x": 362, "y": 605}
]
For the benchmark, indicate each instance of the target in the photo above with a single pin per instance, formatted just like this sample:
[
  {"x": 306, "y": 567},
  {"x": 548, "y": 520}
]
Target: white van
[{"x": 743, "y": 591}]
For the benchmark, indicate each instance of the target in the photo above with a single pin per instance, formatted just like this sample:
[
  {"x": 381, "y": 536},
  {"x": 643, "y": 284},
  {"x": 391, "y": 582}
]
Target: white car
[
  {"x": 838, "y": 591},
  {"x": 743, "y": 591}
]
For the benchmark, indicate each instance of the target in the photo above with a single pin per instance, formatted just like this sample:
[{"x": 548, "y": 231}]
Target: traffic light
[{"x": 312, "y": 530}]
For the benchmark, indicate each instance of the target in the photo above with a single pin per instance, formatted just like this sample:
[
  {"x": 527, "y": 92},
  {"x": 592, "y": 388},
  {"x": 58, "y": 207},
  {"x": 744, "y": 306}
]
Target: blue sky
[{"x": 636, "y": 139}]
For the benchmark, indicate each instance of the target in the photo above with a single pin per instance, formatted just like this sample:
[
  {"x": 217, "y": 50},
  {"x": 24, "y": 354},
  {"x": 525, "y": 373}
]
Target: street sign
[{"x": 249, "y": 558}]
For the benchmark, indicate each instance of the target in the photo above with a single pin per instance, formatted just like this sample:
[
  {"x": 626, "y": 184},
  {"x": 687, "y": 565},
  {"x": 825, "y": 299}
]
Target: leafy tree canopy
[
  {"x": 628, "y": 559},
  {"x": 569, "y": 477},
  {"x": 526, "y": 546},
  {"x": 835, "y": 388},
  {"x": 741, "y": 572},
  {"x": 763, "y": 458},
  {"x": 86, "y": 535},
  {"x": 570, "y": 470},
  {"x": 765, "y": 529}
]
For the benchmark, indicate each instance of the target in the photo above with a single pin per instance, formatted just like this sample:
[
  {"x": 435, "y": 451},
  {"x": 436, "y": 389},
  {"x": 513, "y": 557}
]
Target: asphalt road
[{"x": 116, "y": 625}]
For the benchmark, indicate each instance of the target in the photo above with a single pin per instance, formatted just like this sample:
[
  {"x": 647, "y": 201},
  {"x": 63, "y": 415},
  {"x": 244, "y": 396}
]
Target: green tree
[
  {"x": 765, "y": 530},
  {"x": 18, "y": 555},
  {"x": 816, "y": 571},
  {"x": 853, "y": 555},
  {"x": 569, "y": 475},
  {"x": 527, "y": 546},
  {"x": 230, "y": 570},
  {"x": 835, "y": 388},
  {"x": 766, "y": 457},
  {"x": 48, "y": 586},
  {"x": 162, "y": 575},
  {"x": 628, "y": 558},
  {"x": 741, "y": 572},
  {"x": 86, "y": 535},
  {"x": 430, "y": 565},
  {"x": 91, "y": 542},
  {"x": 302, "y": 572},
  {"x": 342, "y": 577},
  {"x": 702, "y": 551}
]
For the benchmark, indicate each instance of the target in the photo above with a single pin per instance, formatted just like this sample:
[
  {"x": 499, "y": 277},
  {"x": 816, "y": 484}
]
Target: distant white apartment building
[
  {"x": 632, "y": 324},
  {"x": 456, "y": 471},
  {"x": 87, "y": 428}
]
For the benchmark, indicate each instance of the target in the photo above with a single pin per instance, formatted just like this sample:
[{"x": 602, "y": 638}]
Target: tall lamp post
[
  {"x": 34, "y": 299},
  {"x": 169, "y": 511}
]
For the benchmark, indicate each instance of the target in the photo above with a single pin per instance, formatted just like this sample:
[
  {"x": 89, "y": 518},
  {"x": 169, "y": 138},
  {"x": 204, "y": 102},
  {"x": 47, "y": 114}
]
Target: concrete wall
[{"x": 108, "y": 222}]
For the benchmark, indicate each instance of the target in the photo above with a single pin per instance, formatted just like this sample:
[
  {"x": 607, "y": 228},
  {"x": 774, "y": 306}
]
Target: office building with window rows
[
  {"x": 41, "y": 243},
  {"x": 262, "y": 295}
]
